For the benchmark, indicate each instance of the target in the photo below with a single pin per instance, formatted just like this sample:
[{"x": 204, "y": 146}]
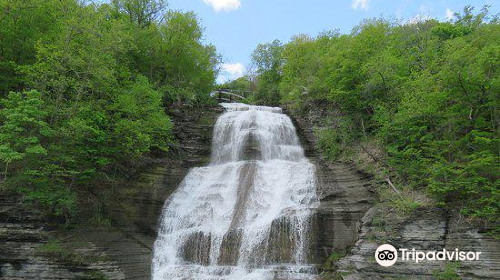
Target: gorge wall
[
  {"x": 350, "y": 222},
  {"x": 122, "y": 250}
]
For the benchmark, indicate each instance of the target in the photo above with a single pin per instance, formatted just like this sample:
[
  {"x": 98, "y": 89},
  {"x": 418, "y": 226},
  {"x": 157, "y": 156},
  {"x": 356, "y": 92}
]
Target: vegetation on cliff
[
  {"x": 83, "y": 89},
  {"x": 426, "y": 91}
]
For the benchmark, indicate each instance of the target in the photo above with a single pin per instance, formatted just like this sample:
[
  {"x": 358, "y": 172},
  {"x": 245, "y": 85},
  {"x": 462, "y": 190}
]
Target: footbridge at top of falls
[{"x": 230, "y": 95}]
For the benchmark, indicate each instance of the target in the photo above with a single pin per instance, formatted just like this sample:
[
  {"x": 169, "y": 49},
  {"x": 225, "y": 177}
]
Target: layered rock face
[
  {"x": 22, "y": 231},
  {"x": 350, "y": 221},
  {"x": 345, "y": 193},
  {"x": 428, "y": 229}
]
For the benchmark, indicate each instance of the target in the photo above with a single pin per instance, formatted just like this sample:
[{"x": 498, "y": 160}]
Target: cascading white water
[{"x": 247, "y": 215}]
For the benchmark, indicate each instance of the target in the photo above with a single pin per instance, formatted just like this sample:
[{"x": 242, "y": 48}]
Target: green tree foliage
[
  {"x": 23, "y": 24},
  {"x": 23, "y": 126},
  {"x": 88, "y": 84},
  {"x": 267, "y": 59},
  {"x": 428, "y": 91},
  {"x": 244, "y": 83},
  {"x": 141, "y": 12},
  {"x": 188, "y": 66},
  {"x": 141, "y": 123}
]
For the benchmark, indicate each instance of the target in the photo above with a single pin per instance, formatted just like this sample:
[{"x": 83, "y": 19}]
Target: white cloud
[
  {"x": 363, "y": 4},
  {"x": 231, "y": 71},
  {"x": 449, "y": 14},
  {"x": 424, "y": 14},
  {"x": 223, "y": 5}
]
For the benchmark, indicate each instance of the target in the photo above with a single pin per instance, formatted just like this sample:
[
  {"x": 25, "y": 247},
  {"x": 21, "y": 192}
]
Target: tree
[
  {"x": 141, "y": 124},
  {"x": 426, "y": 91},
  {"x": 23, "y": 24},
  {"x": 187, "y": 68},
  {"x": 22, "y": 127},
  {"x": 99, "y": 76},
  {"x": 267, "y": 59},
  {"x": 142, "y": 12}
]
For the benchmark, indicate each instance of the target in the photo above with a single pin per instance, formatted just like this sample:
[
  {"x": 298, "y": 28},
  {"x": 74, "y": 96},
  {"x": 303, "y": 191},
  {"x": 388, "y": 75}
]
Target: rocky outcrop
[
  {"x": 25, "y": 254},
  {"x": 345, "y": 193},
  {"x": 30, "y": 249},
  {"x": 352, "y": 221},
  {"x": 427, "y": 229}
]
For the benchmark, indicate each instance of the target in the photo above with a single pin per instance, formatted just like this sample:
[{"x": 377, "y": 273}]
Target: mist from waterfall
[{"x": 247, "y": 215}]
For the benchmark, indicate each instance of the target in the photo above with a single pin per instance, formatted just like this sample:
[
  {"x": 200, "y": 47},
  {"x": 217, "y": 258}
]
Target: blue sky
[{"x": 235, "y": 27}]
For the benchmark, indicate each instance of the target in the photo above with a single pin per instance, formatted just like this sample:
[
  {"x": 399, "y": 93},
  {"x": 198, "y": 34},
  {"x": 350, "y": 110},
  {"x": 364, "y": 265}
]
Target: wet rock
[
  {"x": 229, "y": 248},
  {"x": 197, "y": 248}
]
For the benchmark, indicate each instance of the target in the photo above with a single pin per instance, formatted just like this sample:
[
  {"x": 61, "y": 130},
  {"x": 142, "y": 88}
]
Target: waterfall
[{"x": 247, "y": 214}]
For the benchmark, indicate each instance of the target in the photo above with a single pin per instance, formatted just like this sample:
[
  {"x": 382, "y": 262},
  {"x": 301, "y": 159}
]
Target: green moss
[
  {"x": 495, "y": 232},
  {"x": 100, "y": 220},
  {"x": 56, "y": 250},
  {"x": 206, "y": 120},
  {"x": 52, "y": 246},
  {"x": 405, "y": 205},
  {"x": 378, "y": 222},
  {"x": 448, "y": 273},
  {"x": 334, "y": 257}
]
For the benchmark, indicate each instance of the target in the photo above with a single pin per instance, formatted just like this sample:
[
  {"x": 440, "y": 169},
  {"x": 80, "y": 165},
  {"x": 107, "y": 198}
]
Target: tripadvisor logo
[{"x": 387, "y": 255}]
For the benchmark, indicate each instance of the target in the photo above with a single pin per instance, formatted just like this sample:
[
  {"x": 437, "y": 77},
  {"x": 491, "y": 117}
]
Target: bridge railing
[{"x": 230, "y": 95}]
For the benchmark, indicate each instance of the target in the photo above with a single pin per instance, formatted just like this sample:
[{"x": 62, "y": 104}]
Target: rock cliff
[
  {"x": 352, "y": 222},
  {"x": 30, "y": 249}
]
